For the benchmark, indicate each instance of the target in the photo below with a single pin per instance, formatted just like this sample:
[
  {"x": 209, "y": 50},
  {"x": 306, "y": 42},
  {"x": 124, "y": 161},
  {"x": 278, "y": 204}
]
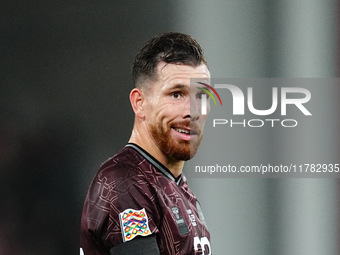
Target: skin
[{"x": 162, "y": 107}]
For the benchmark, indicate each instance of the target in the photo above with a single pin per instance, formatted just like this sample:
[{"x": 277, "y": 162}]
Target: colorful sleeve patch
[{"x": 134, "y": 223}]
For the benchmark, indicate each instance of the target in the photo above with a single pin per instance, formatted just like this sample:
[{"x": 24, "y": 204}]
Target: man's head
[
  {"x": 171, "y": 48},
  {"x": 167, "y": 107}
]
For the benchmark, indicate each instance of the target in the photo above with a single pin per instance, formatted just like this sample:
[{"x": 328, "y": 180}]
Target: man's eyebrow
[
  {"x": 182, "y": 86},
  {"x": 179, "y": 86}
]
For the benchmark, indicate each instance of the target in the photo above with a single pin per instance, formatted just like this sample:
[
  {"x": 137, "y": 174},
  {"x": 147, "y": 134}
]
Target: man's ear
[{"x": 137, "y": 102}]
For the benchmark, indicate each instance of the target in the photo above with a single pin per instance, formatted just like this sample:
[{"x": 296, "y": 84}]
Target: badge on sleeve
[{"x": 134, "y": 223}]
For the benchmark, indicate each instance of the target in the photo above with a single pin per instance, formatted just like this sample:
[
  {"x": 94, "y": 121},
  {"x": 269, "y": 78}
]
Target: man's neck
[{"x": 174, "y": 166}]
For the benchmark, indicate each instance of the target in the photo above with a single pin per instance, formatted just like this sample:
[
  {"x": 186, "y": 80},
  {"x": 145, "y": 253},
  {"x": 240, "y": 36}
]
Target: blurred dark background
[{"x": 65, "y": 81}]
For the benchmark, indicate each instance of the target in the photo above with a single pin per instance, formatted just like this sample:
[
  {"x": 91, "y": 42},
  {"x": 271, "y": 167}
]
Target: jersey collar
[{"x": 164, "y": 170}]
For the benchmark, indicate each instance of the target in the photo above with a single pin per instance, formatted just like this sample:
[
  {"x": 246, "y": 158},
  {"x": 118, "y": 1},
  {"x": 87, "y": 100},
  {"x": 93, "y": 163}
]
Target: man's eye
[{"x": 176, "y": 94}]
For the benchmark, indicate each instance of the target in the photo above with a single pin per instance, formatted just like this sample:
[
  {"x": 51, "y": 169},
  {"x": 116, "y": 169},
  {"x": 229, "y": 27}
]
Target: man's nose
[{"x": 192, "y": 109}]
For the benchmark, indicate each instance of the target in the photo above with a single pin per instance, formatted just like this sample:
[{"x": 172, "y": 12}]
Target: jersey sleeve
[{"x": 120, "y": 206}]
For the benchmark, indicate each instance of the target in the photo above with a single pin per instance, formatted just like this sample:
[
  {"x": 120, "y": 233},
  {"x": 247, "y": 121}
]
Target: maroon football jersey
[{"x": 134, "y": 195}]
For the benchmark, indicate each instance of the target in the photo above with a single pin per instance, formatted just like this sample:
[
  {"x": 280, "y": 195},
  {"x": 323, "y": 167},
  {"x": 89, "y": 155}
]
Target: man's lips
[{"x": 185, "y": 130}]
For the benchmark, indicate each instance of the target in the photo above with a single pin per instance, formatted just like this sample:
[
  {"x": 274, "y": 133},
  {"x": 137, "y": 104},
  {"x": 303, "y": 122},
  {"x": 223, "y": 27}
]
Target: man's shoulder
[
  {"x": 120, "y": 176},
  {"x": 123, "y": 164},
  {"x": 129, "y": 168}
]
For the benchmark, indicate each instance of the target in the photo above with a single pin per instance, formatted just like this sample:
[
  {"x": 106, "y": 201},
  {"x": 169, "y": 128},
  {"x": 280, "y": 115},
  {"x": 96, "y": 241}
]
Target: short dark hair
[{"x": 170, "y": 47}]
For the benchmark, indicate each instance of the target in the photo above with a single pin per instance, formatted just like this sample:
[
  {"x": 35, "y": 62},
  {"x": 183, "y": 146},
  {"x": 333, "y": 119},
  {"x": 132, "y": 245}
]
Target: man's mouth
[{"x": 183, "y": 131}]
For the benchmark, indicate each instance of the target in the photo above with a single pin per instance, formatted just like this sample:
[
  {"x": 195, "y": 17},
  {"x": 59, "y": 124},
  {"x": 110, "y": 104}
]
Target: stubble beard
[{"x": 171, "y": 148}]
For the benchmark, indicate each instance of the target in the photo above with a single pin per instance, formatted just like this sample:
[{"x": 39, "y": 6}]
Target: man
[{"x": 139, "y": 201}]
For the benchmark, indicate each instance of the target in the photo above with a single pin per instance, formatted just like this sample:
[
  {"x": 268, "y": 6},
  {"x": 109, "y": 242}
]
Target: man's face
[{"x": 173, "y": 110}]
